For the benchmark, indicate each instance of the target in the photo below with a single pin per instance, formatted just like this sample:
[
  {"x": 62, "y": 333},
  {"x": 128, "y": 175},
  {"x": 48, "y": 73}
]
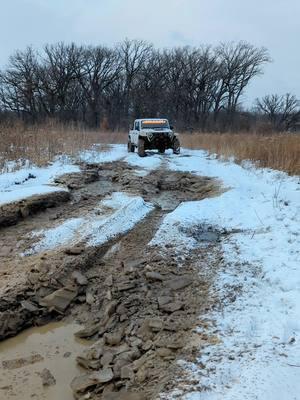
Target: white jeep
[{"x": 152, "y": 133}]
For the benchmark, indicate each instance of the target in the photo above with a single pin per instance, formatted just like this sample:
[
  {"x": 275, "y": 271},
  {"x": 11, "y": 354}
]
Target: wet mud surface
[{"x": 139, "y": 305}]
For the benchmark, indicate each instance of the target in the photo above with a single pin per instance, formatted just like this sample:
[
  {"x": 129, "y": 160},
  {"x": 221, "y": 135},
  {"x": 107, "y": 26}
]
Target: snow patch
[
  {"x": 98, "y": 154},
  {"x": 30, "y": 181},
  {"x": 114, "y": 216},
  {"x": 259, "y": 353}
]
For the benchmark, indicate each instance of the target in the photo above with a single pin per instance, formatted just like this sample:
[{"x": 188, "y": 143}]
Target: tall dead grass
[
  {"x": 277, "y": 151},
  {"x": 40, "y": 144}
]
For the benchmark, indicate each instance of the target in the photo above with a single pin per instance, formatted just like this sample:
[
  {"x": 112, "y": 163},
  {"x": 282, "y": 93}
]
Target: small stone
[
  {"x": 147, "y": 345},
  {"x": 107, "y": 358},
  {"x": 83, "y": 382},
  {"x": 47, "y": 378},
  {"x": 74, "y": 251},
  {"x": 142, "y": 375},
  {"x": 172, "y": 307},
  {"x": 121, "y": 309},
  {"x": 5, "y": 251},
  {"x": 154, "y": 276},
  {"x": 127, "y": 372},
  {"x": 124, "y": 396},
  {"x": 164, "y": 352},
  {"x": 108, "y": 295},
  {"x": 155, "y": 324},
  {"x": 29, "y": 306},
  {"x": 60, "y": 299},
  {"x": 175, "y": 344},
  {"x": 179, "y": 283},
  {"x": 108, "y": 281},
  {"x": 136, "y": 342},
  {"x": 110, "y": 308},
  {"x": 162, "y": 300},
  {"x": 79, "y": 278},
  {"x": 123, "y": 317},
  {"x": 126, "y": 285},
  {"x": 113, "y": 339},
  {"x": 89, "y": 298}
]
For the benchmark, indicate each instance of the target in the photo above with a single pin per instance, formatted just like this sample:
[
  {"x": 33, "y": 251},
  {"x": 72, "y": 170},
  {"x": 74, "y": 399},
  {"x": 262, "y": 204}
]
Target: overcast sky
[{"x": 274, "y": 24}]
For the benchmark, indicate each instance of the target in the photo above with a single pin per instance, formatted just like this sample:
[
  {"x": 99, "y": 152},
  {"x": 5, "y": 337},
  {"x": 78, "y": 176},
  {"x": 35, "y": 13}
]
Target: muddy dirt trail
[{"x": 137, "y": 304}]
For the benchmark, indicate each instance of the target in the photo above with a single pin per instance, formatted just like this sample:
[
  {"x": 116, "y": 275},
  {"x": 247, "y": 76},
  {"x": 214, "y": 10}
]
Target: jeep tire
[
  {"x": 176, "y": 146},
  {"x": 130, "y": 146},
  {"x": 141, "y": 148}
]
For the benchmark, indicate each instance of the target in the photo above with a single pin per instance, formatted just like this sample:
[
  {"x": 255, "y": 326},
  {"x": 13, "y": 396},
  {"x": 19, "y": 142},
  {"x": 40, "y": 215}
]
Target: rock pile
[{"x": 147, "y": 312}]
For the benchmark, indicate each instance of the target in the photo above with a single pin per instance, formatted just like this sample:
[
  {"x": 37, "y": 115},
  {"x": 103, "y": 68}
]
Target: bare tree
[
  {"x": 238, "y": 65},
  {"x": 100, "y": 69},
  {"x": 199, "y": 87},
  {"x": 133, "y": 54},
  {"x": 57, "y": 73},
  {"x": 283, "y": 112},
  {"x": 18, "y": 84}
]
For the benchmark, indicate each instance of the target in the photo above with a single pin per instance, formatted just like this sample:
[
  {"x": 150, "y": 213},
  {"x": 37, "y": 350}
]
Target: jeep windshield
[{"x": 159, "y": 124}]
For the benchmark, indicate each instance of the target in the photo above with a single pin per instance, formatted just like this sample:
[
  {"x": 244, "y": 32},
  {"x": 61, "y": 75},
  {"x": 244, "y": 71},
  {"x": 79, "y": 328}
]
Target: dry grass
[
  {"x": 277, "y": 151},
  {"x": 40, "y": 144}
]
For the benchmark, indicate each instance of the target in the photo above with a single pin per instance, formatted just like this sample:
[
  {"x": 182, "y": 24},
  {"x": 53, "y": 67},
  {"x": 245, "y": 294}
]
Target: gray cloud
[{"x": 270, "y": 23}]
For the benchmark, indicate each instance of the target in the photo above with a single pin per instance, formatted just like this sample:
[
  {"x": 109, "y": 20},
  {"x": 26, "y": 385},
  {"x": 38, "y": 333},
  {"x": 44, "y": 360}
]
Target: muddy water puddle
[{"x": 25, "y": 356}]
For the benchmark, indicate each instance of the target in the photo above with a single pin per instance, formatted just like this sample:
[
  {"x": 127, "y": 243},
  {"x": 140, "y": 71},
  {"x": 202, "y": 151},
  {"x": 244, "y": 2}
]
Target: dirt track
[{"x": 140, "y": 303}]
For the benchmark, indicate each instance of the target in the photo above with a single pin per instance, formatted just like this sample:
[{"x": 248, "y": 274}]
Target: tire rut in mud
[{"x": 130, "y": 296}]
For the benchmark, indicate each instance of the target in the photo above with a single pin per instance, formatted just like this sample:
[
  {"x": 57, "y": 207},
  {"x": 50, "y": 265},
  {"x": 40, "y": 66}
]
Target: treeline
[{"x": 107, "y": 87}]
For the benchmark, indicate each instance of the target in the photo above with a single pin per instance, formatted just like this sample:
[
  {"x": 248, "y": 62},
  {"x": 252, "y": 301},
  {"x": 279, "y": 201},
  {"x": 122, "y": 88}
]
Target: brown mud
[{"x": 140, "y": 304}]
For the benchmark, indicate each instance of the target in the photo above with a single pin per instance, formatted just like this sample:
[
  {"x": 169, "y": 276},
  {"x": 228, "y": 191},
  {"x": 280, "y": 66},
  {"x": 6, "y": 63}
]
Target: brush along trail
[{"x": 75, "y": 257}]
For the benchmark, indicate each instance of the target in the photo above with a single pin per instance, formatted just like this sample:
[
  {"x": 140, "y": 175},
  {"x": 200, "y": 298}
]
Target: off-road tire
[
  {"x": 130, "y": 147},
  {"x": 141, "y": 148},
  {"x": 161, "y": 149},
  {"x": 176, "y": 146}
]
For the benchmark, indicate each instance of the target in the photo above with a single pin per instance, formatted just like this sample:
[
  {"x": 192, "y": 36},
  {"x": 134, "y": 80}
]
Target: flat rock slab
[
  {"x": 60, "y": 299},
  {"x": 124, "y": 396},
  {"x": 47, "y": 378},
  {"x": 79, "y": 278},
  {"x": 83, "y": 382},
  {"x": 22, "y": 362},
  {"x": 179, "y": 283},
  {"x": 11, "y": 213}
]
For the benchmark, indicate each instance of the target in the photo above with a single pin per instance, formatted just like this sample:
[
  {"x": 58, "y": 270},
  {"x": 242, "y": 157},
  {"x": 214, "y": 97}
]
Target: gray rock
[
  {"x": 29, "y": 306},
  {"x": 74, "y": 251},
  {"x": 171, "y": 307},
  {"x": 83, "y": 382},
  {"x": 113, "y": 339},
  {"x": 154, "y": 276},
  {"x": 60, "y": 299},
  {"x": 126, "y": 285},
  {"x": 47, "y": 378},
  {"x": 179, "y": 283},
  {"x": 108, "y": 281},
  {"x": 79, "y": 278},
  {"x": 107, "y": 358},
  {"x": 127, "y": 372}
]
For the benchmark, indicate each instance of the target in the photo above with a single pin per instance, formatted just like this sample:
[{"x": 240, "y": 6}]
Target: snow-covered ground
[
  {"x": 31, "y": 180},
  {"x": 258, "y": 356},
  {"x": 115, "y": 215},
  {"x": 259, "y": 352},
  {"x": 104, "y": 153},
  {"x": 24, "y": 180}
]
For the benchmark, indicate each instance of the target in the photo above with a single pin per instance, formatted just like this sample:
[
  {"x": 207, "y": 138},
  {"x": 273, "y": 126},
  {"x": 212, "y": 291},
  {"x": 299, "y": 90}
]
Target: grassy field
[
  {"x": 40, "y": 144},
  {"x": 277, "y": 151}
]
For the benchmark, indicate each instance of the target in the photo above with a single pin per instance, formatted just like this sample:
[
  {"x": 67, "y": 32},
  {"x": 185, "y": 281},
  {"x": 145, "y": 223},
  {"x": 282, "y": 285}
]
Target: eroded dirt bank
[{"x": 139, "y": 303}]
